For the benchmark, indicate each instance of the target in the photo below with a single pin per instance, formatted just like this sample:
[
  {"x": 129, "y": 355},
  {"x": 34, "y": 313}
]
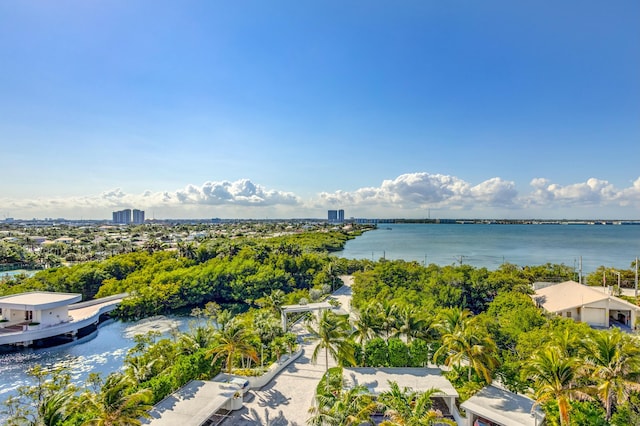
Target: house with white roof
[
  {"x": 494, "y": 406},
  {"x": 42, "y": 307},
  {"x": 377, "y": 381},
  {"x": 30, "y": 317},
  {"x": 595, "y": 307}
]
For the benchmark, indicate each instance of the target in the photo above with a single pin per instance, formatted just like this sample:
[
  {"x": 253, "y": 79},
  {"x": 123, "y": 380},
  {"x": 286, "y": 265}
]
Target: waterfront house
[
  {"x": 30, "y": 317},
  {"x": 593, "y": 306},
  {"x": 42, "y": 307}
]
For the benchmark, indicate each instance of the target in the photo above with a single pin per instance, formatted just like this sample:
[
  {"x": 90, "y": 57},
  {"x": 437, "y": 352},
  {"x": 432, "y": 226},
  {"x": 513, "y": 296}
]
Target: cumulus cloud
[
  {"x": 425, "y": 190},
  {"x": 407, "y": 195},
  {"x": 592, "y": 192},
  {"x": 226, "y": 193},
  {"x": 241, "y": 192}
]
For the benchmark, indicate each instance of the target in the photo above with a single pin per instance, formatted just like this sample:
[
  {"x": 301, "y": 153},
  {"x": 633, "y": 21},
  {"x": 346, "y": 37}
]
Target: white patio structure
[
  {"x": 309, "y": 307},
  {"x": 418, "y": 379},
  {"x": 196, "y": 403},
  {"x": 493, "y": 406}
]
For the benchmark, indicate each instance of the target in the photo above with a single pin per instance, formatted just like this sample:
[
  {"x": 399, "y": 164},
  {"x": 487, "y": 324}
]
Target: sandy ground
[
  {"x": 159, "y": 323},
  {"x": 287, "y": 398}
]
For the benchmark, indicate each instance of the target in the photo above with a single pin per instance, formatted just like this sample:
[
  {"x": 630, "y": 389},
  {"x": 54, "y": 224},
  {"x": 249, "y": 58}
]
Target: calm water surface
[
  {"x": 614, "y": 246},
  {"x": 102, "y": 352}
]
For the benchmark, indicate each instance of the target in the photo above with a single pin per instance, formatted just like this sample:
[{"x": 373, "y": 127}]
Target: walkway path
[{"x": 286, "y": 400}]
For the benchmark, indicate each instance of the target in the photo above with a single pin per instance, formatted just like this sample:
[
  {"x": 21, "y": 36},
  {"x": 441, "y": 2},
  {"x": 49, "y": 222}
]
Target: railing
[{"x": 98, "y": 301}]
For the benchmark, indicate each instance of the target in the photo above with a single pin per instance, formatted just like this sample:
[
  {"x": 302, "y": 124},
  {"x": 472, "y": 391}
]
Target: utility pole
[
  {"x": 636, "y": 292},
  {"x": 580, "y": 271},
  {"x": 618, "y": 274}
]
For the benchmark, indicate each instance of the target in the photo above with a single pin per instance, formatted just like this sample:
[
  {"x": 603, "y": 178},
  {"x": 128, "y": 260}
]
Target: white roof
[
  {"x": 308, "y": 307},
  {"x": 503, "y": 407},
  {"x": 570, "y": 294},
  {"x": 192, "y": 404},
  {"x": 418, "y": 379},
  {"x": 39, "y": 300}
]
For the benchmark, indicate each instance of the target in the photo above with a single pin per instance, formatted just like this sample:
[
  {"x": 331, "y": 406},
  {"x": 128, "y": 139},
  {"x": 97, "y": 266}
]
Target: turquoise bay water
[{"x": 614, "y": 246}]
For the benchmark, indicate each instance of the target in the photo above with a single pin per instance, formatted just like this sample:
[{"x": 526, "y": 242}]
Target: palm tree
[
  {"x": 338, "y": 407},
  {"x": 409, "y": 324},
  {"x": 554, "y": 378},
  {"x": 365, "y": 326},
  {"x": 116, "y": 405},
  {"x": 406, "y": 407},
  {"x": 388, "y": 316},
  {"x": 453, "y": 319},
  {"x": 55, "y": 408},
  {"x": 613, "y": 361},
  {"x": 273, "y": 301},
  {"x": 189, "y": 251},
  {"x": 198, "y": 337},
  {"x": 139, "y": 369},
  {"x": 470, "y": 343},
  {"x": 332, "y": 333},
  {"x": 233, "y": 340}
]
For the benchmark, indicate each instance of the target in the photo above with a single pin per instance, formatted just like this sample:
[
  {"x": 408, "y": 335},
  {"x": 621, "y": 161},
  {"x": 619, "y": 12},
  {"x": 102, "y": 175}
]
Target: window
[
  {"x": 568, "y": 314},
  {"x": 28, "y": 315}
]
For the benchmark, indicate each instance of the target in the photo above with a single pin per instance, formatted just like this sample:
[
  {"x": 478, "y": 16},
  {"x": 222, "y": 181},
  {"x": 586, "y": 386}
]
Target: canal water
[{"x": 102, "y": 352}]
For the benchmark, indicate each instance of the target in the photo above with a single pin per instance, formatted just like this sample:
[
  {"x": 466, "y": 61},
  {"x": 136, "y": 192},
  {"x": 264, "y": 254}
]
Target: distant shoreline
[
  {"x": 357, "y": 220},
  {"x": 514, "y": 221}
]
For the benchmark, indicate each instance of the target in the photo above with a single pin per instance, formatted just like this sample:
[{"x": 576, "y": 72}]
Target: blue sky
[{"x": 260, "y": 109}]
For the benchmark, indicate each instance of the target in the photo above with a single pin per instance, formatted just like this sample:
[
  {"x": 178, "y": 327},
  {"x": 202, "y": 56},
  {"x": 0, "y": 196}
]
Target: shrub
[
  {"x": 377, "y": 353},
  {"x": 418, "y": 353},
  {"x": 398, "y": 353},
  {"x": 161, "y": 386}
]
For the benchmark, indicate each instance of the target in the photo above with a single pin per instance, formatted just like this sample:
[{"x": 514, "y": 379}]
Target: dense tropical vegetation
[
  {"x": 484, "y": 326},
  {"x": 480, "y": 324}
]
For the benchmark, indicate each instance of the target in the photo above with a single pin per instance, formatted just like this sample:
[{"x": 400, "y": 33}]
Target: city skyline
[{"x": 283, "y": 110}]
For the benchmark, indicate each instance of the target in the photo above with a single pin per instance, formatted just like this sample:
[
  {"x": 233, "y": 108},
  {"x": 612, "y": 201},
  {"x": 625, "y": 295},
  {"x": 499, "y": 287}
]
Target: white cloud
[
  {"x": 593, "y": 192},
  {"x": 241, "y": 192},
  {"x": 408, "y": 195},
  {"x": 424, "y": 190}
]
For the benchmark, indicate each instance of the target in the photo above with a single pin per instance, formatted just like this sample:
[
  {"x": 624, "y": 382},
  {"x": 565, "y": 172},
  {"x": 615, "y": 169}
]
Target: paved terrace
[{"x": 287, "y": 398}]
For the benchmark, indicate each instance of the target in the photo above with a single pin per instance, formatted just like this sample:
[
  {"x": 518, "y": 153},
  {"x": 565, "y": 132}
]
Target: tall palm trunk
[{"x": 326, "y": 363}]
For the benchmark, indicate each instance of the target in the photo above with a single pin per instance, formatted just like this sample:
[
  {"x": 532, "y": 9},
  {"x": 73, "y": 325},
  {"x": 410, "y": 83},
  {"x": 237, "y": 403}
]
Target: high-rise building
[
  {"x": 340, "y": 215},
  {"x": 332, "y": 215},
  {"x": 138, "y": 216},
  {"x": 122, "y": 217}
]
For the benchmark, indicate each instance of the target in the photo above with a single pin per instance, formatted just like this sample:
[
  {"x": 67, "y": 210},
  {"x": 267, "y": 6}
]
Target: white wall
[{"x": 52, "y": 316}]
